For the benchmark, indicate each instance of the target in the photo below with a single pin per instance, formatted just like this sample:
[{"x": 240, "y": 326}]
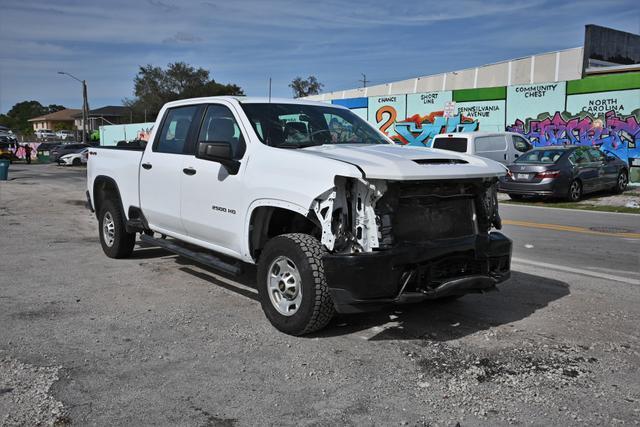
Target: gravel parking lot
[{"x": 157, "y": 339}]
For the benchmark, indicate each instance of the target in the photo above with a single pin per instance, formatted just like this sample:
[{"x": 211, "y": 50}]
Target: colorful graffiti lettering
[
  {"x": 144, "y": 134},
  {"x": 419, "y": 130},
  {"x": 611, "y": 132},
  {"x": 21, "y": 152}
]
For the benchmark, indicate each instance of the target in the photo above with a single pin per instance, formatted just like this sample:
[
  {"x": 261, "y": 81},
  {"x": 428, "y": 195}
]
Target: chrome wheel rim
[
  {"x": 575, "y": 190},
  {"x": 285, "y": 286},
  {"x": 108, "y": 229},
  {"x": 622, "y": 181}
]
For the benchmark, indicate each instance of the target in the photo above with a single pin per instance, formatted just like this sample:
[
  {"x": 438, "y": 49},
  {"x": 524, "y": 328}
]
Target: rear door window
[
  {"x": 596, "y": 155},
  {"x": 452, "y": 144},
  {"x": 579, "y": 157},
  {"x": 175, "y": 130}
]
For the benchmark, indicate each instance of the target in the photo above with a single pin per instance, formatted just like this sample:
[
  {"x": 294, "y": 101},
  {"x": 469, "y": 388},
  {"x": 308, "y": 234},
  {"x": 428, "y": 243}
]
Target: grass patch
[{"x": 577, "y": 206}]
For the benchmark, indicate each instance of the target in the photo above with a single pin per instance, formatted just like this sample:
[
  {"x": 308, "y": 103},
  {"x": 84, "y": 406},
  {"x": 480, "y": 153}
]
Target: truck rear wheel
[
  {"x": 291, "y": 284},
  {"x": 115, "y": 241}
]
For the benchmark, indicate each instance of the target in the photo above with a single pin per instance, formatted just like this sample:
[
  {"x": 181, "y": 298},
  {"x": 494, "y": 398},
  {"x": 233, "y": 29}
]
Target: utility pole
[
  {"x": 364, "y": 80},
  {"x": 85, "y": 111},
  {"x": 85, "y": 105}
]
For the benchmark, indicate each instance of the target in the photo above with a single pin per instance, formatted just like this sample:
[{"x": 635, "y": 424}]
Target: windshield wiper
[{"x": 298, "y": 145}]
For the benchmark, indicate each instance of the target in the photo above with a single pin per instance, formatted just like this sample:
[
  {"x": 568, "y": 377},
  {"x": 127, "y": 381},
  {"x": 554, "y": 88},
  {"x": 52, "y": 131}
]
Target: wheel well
[
  {"x": 105, "y": 188},
  {"x": 268, "y": 222}
]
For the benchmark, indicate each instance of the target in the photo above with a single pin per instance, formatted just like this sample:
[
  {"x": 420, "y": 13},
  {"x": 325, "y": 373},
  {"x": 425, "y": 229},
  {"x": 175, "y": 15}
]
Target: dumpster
[
  {"x": 42, "y": 154},
  {"x": 4, "y": 169}
]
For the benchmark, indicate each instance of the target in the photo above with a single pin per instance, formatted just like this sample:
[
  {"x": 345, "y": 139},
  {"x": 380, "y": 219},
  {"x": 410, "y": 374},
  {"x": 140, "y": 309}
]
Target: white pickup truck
[{"x": 337, "y": 217}]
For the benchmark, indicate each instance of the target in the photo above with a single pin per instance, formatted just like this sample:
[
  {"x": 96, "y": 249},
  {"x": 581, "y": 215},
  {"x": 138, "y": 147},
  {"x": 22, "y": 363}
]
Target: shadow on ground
[{"x": 516, "y": 299}]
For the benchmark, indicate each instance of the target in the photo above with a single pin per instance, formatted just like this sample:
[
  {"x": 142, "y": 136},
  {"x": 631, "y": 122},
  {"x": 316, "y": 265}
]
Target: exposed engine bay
[{"x": 359, "y": 215}]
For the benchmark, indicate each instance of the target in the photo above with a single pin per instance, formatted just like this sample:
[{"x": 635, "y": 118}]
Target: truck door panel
[
  {"x": 212, "y": 200},
  {"x": 161, "y": 170}
]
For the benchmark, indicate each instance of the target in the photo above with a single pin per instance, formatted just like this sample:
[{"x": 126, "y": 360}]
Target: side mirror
[{"x": 219, "y": 152}]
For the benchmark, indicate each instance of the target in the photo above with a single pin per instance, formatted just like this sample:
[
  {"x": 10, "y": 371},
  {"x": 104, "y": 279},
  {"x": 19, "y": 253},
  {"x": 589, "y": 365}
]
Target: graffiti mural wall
[
  {"x": 112, "y": 134},
  {"x": 607, "y": 120},
  {"x": 601, "y": 111}
]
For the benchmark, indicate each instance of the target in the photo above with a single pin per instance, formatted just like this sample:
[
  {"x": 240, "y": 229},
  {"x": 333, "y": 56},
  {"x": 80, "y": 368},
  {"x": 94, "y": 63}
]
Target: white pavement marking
[{"x": 627, "y": 280}]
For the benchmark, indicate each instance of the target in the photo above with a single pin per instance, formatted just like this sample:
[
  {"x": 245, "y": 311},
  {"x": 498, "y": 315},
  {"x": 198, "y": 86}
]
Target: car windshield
[
  {"x": 300, "y": 125},
  {"x": 550, "y": 156}
]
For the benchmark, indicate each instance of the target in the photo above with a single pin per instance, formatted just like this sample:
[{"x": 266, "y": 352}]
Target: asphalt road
[
  {"x": 600, "y": 243},
  {"x": 159, "y": 340}
]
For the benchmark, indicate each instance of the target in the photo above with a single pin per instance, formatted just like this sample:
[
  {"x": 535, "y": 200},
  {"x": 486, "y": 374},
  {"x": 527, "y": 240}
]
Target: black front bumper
[{"x": 415, "y": 272}]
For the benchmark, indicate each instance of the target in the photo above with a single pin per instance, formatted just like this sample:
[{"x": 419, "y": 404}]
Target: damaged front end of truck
[{"x": 404, "y": 241}]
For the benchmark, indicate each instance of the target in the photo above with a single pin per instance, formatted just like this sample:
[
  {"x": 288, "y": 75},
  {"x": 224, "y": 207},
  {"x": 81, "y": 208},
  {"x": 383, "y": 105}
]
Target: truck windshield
[{"x": 299, "y": 125}]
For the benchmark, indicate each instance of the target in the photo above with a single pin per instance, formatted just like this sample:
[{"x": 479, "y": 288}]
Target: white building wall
[{"x": 548, "y": 67}]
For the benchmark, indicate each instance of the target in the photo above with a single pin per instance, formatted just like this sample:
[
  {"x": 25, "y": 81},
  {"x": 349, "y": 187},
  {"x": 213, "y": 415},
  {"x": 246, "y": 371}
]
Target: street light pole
[{"x": 85, "y": 105}]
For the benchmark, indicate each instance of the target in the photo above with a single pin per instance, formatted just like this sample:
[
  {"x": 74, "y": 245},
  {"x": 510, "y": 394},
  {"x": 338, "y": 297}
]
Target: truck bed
[{"x": 120, "y": 164}]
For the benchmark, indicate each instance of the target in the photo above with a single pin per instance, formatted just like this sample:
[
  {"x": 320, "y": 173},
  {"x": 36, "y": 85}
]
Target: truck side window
[
  {"x": 219, "y": 125},
  {"x": 175, "y": 129}
]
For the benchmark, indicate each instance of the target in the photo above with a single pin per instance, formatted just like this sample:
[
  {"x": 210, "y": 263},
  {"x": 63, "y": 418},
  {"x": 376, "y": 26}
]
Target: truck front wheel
[
  {"x": 291, "y": 284},
  {"x": 115, "y": 241}
]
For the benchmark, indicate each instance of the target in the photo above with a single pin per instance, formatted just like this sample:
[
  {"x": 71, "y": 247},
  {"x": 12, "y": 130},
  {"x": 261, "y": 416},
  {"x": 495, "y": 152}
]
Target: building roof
[
  {"x": 66, "y": 115},
  {"x": 107, "y": 111}
]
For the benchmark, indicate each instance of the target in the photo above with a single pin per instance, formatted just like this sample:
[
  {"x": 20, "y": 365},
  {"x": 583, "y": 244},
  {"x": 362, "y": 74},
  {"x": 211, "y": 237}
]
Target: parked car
[
  {"x": 45, "y": 134},
  {"x": 565, "y": 171},
  {"x": 8, "y": 136},
  {"x": 75, "y": 159},
  {"x": 333, "y": 224},
  {"x": 62, "y": 149},
  {"x": 65, "y": 134},
  {"x": 503, "y": 147},
  {"x": 8, "y": 151}
]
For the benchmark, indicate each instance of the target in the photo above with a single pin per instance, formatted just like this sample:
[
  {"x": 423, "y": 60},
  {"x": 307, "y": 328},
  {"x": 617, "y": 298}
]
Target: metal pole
[{"x": 85, "y": 111}]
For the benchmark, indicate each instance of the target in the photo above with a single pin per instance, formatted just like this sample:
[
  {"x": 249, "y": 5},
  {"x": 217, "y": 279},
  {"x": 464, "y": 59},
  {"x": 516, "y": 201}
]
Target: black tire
[
  {"x": 515, "y": 196},
  {"x": 574, "y": 194},
  {"x": 621, "y": 182},
  {"x": 316, "y": 307},
  {"x": 76, "y": 162},
  {"x": 121, "y": 245}
]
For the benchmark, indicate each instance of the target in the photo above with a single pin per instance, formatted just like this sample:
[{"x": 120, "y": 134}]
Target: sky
[{"x": 247, "y": 41}]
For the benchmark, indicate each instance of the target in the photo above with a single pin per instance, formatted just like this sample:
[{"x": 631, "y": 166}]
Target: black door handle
[
  {"x": 147, "y": 165},
  {"x": 189, "y": 171}
]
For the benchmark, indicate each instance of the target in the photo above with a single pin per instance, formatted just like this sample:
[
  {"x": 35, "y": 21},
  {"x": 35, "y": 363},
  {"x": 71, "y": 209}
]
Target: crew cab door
[
  {"x": 161, "y": 170},
  {"x": 213, "y": 199}
]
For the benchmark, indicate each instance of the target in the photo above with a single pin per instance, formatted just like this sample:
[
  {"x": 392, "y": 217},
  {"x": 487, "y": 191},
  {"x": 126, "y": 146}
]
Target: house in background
[
  {"x": 108, "y": 115},
  {"x": 64, "y": 119}
]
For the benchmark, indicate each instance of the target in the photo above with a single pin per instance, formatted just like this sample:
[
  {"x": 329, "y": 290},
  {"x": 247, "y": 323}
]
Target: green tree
[
  {"x": 155, "y": 86},
  {"x": 18, "y": 117},
  {"x": 305, "y": 87}
]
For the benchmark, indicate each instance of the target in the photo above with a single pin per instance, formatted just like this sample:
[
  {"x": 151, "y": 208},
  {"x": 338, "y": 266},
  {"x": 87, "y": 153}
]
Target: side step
[{"x": 202, "y": 258}]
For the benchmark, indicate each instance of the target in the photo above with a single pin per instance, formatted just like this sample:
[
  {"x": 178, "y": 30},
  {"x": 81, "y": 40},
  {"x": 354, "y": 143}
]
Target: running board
[{"x": 202, "y": 258}]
